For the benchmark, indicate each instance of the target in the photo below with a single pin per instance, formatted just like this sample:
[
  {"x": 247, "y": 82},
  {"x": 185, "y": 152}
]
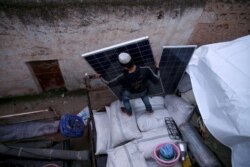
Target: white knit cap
[{"x": 124, "y": 58}]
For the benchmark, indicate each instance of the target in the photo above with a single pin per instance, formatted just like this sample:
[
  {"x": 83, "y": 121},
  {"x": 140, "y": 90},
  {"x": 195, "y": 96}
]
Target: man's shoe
[
  {"x": 150, "y": 111},
  {"x": 124, "y": 110}
]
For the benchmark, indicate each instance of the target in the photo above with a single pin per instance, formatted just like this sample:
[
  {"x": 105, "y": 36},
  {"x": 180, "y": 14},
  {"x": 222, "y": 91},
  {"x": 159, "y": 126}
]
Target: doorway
[{"x": 48, "y": 74}]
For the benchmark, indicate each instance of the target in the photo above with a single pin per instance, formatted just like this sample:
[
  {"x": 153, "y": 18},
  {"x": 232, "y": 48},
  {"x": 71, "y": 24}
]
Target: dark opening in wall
[{"x": 48, "y": 74}]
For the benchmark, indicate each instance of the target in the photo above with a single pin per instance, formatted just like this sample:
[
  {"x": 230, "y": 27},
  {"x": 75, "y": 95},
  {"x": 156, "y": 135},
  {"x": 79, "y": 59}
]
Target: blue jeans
[{"x": 126, "y": 97}]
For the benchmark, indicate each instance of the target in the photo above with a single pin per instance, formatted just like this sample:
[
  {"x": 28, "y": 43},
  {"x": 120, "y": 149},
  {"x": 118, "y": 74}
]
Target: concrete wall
[{"x": 65, "y": 32}]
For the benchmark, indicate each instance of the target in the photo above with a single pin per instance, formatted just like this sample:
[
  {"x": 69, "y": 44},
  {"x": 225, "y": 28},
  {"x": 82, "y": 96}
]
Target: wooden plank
[{"x": 46, "y": 114}]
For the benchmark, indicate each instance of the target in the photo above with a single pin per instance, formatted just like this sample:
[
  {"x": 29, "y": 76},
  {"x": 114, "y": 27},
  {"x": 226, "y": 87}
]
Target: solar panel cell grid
[{"x": 173, "y": 63}]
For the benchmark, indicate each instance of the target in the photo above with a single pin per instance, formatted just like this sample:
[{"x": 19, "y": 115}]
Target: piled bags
[{"x": 135, "y": 137}]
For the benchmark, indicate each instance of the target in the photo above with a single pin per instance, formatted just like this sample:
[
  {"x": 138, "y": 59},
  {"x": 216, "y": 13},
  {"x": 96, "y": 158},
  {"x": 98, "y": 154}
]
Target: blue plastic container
[{"x": 71, "y": 125}]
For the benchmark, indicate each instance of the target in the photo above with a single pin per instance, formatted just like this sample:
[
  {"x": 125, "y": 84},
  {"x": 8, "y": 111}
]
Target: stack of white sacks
[{"x": 130, "y": 140}]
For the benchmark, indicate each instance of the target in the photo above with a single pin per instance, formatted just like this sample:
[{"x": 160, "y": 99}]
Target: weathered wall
[
  {"x": 222, "y": 22},
  {"x": 65, "y": 32}
]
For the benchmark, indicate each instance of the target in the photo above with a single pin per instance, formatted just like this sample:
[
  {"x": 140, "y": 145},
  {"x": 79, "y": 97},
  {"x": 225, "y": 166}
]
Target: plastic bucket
[
  {"x": 166, "y": 163},
  {"x": 50, "y": 165}
]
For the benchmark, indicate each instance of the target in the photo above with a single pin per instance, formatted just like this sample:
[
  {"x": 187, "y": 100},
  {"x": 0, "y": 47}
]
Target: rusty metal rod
[{"x": 91, "y": 122}]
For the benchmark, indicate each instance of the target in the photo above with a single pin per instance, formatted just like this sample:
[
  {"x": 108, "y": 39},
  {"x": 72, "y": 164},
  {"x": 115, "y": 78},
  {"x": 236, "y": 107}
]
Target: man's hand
[
  {"x": 98, "y": 75},
  {"x": 101, "y": 78}
]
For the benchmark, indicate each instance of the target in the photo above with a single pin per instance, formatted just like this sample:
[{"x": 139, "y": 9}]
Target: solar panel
[
  {"x": 105, "y": 62},
  {"x": 173, "y": 63}
]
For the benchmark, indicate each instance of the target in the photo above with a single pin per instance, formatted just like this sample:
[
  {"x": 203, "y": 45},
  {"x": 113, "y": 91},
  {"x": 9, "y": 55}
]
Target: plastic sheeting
[
  {"x": 220, "y": 77},
  {"x": 27, "y": 130}
]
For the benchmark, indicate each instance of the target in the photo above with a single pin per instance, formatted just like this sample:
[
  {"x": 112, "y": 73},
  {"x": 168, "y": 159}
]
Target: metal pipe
[
  {"x": 203, "y": 156},
  {"x": 44, "y": 153}
]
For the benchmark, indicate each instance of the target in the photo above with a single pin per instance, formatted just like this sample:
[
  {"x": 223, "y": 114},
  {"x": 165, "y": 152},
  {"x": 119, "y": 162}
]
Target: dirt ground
[{"x": 62, "y": 102}]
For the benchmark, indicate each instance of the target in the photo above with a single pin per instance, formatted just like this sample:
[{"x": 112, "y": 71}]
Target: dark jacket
[{"x": 135, "y": 82}]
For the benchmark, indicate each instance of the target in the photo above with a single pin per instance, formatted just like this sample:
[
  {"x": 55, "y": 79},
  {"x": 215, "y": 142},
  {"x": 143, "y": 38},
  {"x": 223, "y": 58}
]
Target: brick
[{"x": 208, "y": 17}]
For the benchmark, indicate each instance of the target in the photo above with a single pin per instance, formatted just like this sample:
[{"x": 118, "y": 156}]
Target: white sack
[
  {"x": 109, "y": 164},
  {"x": 126, "y": 155},
  {"x": 178, "y": 108},
  {"x": 220, "y": 77},
  {"x": 152, "y": 163},
  {"x": 240, "y": 153},
  {"x": 157, "y": 102},
  {"x": 147, "y": 121},
  {"x": 102, "y": 132},
  {"x": 123, "y": 127}
]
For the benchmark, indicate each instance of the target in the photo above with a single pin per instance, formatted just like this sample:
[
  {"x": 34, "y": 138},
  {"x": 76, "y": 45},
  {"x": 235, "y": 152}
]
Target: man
[{"x": 134, "y": 80}]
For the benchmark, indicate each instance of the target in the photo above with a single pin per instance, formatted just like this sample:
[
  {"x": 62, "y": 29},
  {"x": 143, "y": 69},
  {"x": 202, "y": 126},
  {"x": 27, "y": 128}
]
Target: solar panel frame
[
  {"x": 172, "y": 66},
  {"x": 105, "y": 62}
]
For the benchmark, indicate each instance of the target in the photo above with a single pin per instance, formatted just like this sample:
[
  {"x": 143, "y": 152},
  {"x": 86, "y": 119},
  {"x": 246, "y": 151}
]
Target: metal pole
[
  {"x": 91, "y": 121},
  {"x": 44, "y": 153}
]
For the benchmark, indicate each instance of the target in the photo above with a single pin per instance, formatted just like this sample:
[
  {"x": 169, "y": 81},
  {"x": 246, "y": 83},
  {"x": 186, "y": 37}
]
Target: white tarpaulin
[{"x": 220, "y": 77}]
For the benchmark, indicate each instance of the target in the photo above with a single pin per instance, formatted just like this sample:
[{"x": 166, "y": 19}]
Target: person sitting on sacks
[{"x": 134, "y": 80}]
